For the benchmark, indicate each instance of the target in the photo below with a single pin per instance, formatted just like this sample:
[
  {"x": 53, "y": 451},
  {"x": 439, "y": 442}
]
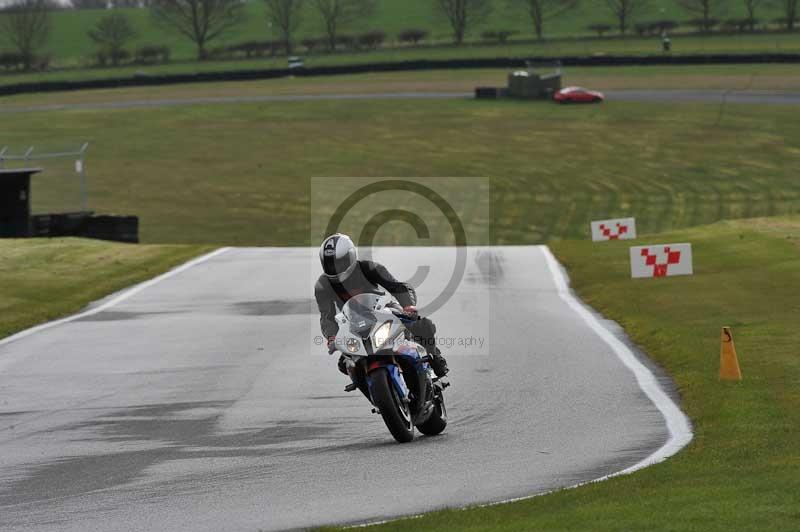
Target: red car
[{"x": 578, "y": 95}]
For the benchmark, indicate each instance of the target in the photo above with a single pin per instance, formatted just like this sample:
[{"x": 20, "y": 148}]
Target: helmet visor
[{"x": 333, "y": 266}]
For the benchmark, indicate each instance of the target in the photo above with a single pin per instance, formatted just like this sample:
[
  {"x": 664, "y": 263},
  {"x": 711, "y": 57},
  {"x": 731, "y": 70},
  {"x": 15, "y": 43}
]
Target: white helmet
[{"x": 338, "y": 256}]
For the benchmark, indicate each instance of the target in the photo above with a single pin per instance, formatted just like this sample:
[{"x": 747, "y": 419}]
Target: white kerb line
[{"x": 126, "y": 294}]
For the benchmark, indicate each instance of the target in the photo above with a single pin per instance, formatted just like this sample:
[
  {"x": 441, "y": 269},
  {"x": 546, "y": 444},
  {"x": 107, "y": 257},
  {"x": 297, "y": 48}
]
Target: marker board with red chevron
[
  {"x": 662, "y": 260},
  {"x": 616, "y": 229}
]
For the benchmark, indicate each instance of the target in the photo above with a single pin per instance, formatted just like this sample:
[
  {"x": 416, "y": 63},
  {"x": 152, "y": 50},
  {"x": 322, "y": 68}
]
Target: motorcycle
[{"x": 389, "y": 368}]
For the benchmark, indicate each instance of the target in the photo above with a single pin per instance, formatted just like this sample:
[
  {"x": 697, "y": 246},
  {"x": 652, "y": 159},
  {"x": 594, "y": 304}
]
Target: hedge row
[
  {"x": 15, "y": 61},
  {"x": 145, "y": 55}
]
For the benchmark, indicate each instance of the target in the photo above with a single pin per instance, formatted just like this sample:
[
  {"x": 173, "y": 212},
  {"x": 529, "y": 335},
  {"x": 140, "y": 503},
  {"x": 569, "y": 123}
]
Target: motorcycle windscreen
[{"x": 360, "y": 312}]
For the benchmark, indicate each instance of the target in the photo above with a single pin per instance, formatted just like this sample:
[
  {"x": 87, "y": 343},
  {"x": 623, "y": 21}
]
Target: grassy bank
[
  {"x": 239, "y": 174},
  {"x": 44, "y": 279},
  {"x": 742, "y": 471},
  {"x": 71, "y": 46}
]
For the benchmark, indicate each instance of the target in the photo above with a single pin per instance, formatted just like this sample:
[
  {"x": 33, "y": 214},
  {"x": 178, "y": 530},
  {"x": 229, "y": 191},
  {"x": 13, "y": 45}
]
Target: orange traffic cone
[{"x": 728, "y": 363}]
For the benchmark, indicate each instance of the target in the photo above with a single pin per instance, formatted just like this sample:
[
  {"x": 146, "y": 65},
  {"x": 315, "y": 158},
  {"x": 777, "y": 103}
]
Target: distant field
[
  {"x": 238, "y": 174},
  {"x": 69, "y": 41},
  {"x": 72, "y": 49}
]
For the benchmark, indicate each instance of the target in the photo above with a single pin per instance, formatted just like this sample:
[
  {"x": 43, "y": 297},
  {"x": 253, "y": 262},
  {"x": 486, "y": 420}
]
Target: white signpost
[
  {"x": 662, "y": 260},
  {"x": 616, "y": 229}
]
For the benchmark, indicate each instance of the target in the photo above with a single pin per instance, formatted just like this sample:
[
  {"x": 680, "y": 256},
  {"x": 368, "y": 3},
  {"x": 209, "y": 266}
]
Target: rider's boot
[{"x": 438, "y": 363}]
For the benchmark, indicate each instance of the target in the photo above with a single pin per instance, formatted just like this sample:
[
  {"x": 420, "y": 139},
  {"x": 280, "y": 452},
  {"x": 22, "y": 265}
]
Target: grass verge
[
  {"x": 44, "y": 279},
  {"x": 238, "y": 174},
  {"x": 735, "y": 77},
  {"x": 742, "y": 471}
]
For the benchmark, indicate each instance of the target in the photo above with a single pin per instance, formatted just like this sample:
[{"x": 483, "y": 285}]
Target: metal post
[
  {"x": 2, "y": 156},
  {"x": 84, "y": 191}
]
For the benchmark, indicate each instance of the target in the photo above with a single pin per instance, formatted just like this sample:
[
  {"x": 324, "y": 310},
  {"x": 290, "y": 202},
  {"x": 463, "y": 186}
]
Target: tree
[
  {"x": 337, "y": 14},
  {"x": 625, "y": 10},
  {"x": 462, "y": 14},
  {"x": 791, "y": 10},
  {"x": 111, "y": 33},
  {"x": 285, "y": 16},
  {"x": 89, "y": 4},
  {"x": 704, "y": 24},
  {"x": 751, "y": 6},
  {"x": 26, "y": 26},
  {"x": 707, "y": 10},
  {"x": 201, "y": 21},
  {"x": 541, "y": 11},
  {"x": 132, "y": 4}
]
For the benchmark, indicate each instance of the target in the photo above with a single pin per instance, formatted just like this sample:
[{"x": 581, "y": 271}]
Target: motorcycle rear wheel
[
  {"x": 438, "y": 421},
  {"x": 396, "y": 415}
]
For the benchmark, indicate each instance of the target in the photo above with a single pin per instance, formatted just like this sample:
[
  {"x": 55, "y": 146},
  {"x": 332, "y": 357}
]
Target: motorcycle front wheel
[{"x": 395, "y": 413}]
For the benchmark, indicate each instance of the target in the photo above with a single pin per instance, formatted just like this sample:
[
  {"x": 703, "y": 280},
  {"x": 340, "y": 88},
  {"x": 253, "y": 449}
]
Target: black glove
[{"x": 343, "y": 364}]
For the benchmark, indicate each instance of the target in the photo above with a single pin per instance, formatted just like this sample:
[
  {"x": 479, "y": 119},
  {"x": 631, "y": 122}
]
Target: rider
[{"x": 345, "y": 276}]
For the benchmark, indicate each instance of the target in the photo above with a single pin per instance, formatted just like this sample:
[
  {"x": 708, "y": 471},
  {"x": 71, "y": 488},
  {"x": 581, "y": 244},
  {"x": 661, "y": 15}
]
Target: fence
[{"x": 62, "y": 186}]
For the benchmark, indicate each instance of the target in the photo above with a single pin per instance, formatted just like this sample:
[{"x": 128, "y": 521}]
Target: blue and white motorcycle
[{"x": 389, "y": 368}]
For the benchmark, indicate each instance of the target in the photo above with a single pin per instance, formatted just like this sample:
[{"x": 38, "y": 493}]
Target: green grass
[
  {"x": 72, "y": 49},
  {"x": 739, "y": 77},
  {"x": 44, "y": 279},
  {"x": 239, "y": 174},
  {"x": 742, "y": 471},
  {"x": 69, "y": 41}
]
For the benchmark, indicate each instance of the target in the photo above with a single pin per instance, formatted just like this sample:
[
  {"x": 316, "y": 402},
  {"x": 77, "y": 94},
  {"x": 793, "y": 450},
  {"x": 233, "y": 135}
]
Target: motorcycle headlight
[
  {"x": 381, "y": 334},
  {"x": 353, "y": 345}
]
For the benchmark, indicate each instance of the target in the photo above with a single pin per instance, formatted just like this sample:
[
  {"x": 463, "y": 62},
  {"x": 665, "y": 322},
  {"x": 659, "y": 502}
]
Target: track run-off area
[
  {"x": 199, "y": 401},
  {"x": 633, "y": 95}
]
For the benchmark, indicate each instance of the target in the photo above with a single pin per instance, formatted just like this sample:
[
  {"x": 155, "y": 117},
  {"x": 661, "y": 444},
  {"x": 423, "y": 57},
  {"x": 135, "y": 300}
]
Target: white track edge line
[
  {"x": 678, "y": 424},
  {"x": 126, "y": 294}
]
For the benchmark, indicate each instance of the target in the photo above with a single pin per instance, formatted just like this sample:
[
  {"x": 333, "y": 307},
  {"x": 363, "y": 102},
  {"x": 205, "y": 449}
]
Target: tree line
[{"x": 25, "y": 24}]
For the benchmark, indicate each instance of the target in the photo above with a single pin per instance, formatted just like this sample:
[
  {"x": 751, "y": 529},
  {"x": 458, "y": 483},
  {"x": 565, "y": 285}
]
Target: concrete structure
[
  {"x": 526, "y": 84},
  {"x": 531, "y": 85}
]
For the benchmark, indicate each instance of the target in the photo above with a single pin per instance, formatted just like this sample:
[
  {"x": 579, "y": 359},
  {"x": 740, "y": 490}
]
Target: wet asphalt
[{"x": 203, "y": 403}]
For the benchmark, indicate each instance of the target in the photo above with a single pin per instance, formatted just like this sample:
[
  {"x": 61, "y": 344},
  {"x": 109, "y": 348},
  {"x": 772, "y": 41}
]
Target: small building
[
  {"x": 532, "y": 85},
  {"x": 529, "y": 83}
]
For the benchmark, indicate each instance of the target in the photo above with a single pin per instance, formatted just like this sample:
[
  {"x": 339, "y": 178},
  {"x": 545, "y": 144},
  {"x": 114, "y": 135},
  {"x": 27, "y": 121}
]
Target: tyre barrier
[
  {"x": 87, "y": 225},
  {"x": 487, "y": 93}
]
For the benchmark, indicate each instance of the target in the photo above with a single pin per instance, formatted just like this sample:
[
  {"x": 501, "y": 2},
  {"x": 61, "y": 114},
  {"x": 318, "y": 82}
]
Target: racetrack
[
  {"x": 664, "y": 96},
  {"x": 199, "y": 402}
]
